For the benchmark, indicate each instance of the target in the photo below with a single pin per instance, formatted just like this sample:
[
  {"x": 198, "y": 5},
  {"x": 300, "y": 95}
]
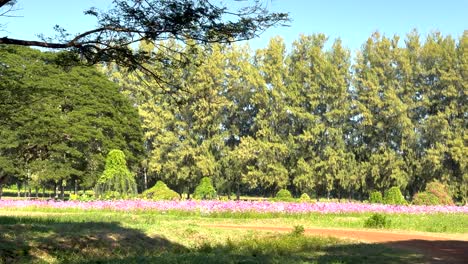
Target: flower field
[{"x": 213, "y": 206}]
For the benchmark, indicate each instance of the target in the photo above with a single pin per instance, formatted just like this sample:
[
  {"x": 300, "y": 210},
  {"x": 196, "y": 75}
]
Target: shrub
[
  {"x": 86, "y": 196},
  {"x": 160, "y": 191},
  {"x": 425, "y": 198},
  {"x": 205, "y": 189},
  {"x": 298, "y": 230},
  {"x": 440, "y": 191},
  {"x": 375, "y": 197},
  {"x": 305, "y": 198},
  {"x": 116, "y": 181},
  {"x": 377, "y": 221},
  {"x": 284, "y": 195},
  {"x": 394, "y": 196}
]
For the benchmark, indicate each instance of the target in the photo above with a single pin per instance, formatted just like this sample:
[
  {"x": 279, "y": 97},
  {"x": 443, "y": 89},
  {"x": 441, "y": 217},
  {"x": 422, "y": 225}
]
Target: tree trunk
[
  {"x": 76, "y": 188},
  {"x": 18, "y": 186},
  {"x": 229, "y": 192},
  {"x": 1, "y": 189},
  {"x": 55, "y": 190},
  {"x": 62, "y": 191},
  {"x": 238, "y": 192},
  {"x": 37, "y": 192},
  {"x": 146, "y": 178}
]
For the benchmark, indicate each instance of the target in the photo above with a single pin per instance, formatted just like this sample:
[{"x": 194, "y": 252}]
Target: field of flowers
[{"x": 214, "y": 206}]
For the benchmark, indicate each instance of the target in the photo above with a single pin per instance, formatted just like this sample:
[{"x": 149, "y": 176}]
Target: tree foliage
[
  {"x": 205, "y": 189},
  {"x": 57, "y": 123},
  {"x": 116, "y": 181},
  {"x": 394, "y": 196},
  {"x": 309, "y": 120}
]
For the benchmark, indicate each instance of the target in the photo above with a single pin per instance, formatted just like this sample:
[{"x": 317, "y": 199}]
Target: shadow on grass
[
  {"x": 281, "y": 249},
  {"x": 437, "y": 251},
  {"x": 45, "y": 240},
  {"x": 35, "y": 239}
]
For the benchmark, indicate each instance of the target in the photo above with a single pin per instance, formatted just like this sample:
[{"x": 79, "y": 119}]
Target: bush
[
  {"x": 377, "y": 221},
  {"x": 284, "y": 196},
  {"x": 81, "y": 197},
  {"x": 394, "y": 196},
  {"x": 305, "y": 198},
  {"x": 440, "y": 191},
  {"x": 160, "y": 191},
  {"x": 116, "y": 181},
  {"x": 205, "y": 189},
  {"x": 375, "y": 197},
  {"x": 298, "y": 230},
  {"x": 425, "y": 198}
]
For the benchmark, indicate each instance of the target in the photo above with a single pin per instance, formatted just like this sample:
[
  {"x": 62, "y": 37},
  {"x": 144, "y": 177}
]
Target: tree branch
[
  {"x": 11, "y": 41},
  {"x": 4, "y": 2}
]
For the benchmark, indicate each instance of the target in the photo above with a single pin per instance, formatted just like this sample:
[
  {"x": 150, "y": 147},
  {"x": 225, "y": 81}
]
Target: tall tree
[{"x": 62, "y": 121}]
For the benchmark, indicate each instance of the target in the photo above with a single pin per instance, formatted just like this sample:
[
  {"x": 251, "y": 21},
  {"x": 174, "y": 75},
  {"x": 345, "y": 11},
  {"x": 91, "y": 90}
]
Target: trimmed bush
[
  {"x": 440, "y": 191},
  {"x": 394, "y": 196},
  {"x": 377, "y": 221},
  {"x": 116, "y": 181},
  {"x": 284, "y": 195},
  {"x": 205, "y": 190},
  {"x": 160, "y": 191},
  {"x": 425, "y": 198},
  {"x": 375, "y": 197},
  {"x": 305, "y": 198}
]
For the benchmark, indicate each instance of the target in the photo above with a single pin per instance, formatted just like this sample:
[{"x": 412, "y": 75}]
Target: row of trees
[{"x": 311, "y": 119}]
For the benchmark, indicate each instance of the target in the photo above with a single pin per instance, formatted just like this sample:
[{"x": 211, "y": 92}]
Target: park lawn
[{"x": 41, "y": 235}]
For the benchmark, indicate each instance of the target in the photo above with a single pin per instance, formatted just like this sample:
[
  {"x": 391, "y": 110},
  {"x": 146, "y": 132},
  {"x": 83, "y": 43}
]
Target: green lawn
[{"x": 73, "y": 236}]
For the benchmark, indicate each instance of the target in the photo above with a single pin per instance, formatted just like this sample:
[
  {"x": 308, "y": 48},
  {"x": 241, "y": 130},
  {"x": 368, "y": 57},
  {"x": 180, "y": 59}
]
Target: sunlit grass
[{"x": 70, "y": 236}]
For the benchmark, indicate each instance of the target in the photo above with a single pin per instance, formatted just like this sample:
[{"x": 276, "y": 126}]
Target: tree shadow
[
  {"x": 30, "y": 239},
  {"x": 437, "y": 251},
  {"x": 45, "y": 240},
  {"x": 281, "y": 249}
]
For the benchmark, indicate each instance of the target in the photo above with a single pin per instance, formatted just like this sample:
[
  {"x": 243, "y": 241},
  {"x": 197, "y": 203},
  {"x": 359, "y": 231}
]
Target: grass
[
  {"x": 434, "y": 223},
  {"x": 66, "y": 236}
]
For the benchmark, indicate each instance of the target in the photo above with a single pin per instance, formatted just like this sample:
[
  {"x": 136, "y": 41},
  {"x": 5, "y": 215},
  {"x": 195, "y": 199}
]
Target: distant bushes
[
  {"x": 305, "y": 198},
  {"x": 436, "y": 193},
  {"x": 284, "y": 195},
  {"x": 375, "y": 197},
  {"x": 160, "y": 191},
  {"x": 425, "y": 198},
  {"x": 394, "y": 196}
]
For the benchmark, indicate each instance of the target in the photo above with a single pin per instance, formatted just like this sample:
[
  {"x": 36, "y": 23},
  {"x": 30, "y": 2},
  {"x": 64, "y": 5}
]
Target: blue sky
[{"x": 351, "y": 20}]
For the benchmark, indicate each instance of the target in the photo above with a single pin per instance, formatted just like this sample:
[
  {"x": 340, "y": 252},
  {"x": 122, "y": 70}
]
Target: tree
[
  {"x": 128, "y": 22},
  {"x": 57, "y": 123},
  {"x": 116, "y": 181},
  {"x": 384, "y": 127}
]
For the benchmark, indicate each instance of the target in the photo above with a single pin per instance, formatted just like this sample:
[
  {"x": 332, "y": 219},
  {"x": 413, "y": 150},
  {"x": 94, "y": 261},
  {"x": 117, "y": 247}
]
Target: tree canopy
[
  {"x": 57, "y": 124},
  {"x": 310, "y": 120}
]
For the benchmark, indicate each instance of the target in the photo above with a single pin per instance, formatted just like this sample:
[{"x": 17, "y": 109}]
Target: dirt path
[{"x": 437, "y": 249}]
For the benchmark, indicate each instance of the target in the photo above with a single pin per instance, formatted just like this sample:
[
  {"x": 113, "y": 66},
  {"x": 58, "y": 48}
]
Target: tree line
[{"x": 310, "y": 118}]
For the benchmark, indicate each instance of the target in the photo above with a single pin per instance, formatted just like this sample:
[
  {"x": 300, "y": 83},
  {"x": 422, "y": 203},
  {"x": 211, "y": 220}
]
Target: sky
[{"x": 351, "y": 20}]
